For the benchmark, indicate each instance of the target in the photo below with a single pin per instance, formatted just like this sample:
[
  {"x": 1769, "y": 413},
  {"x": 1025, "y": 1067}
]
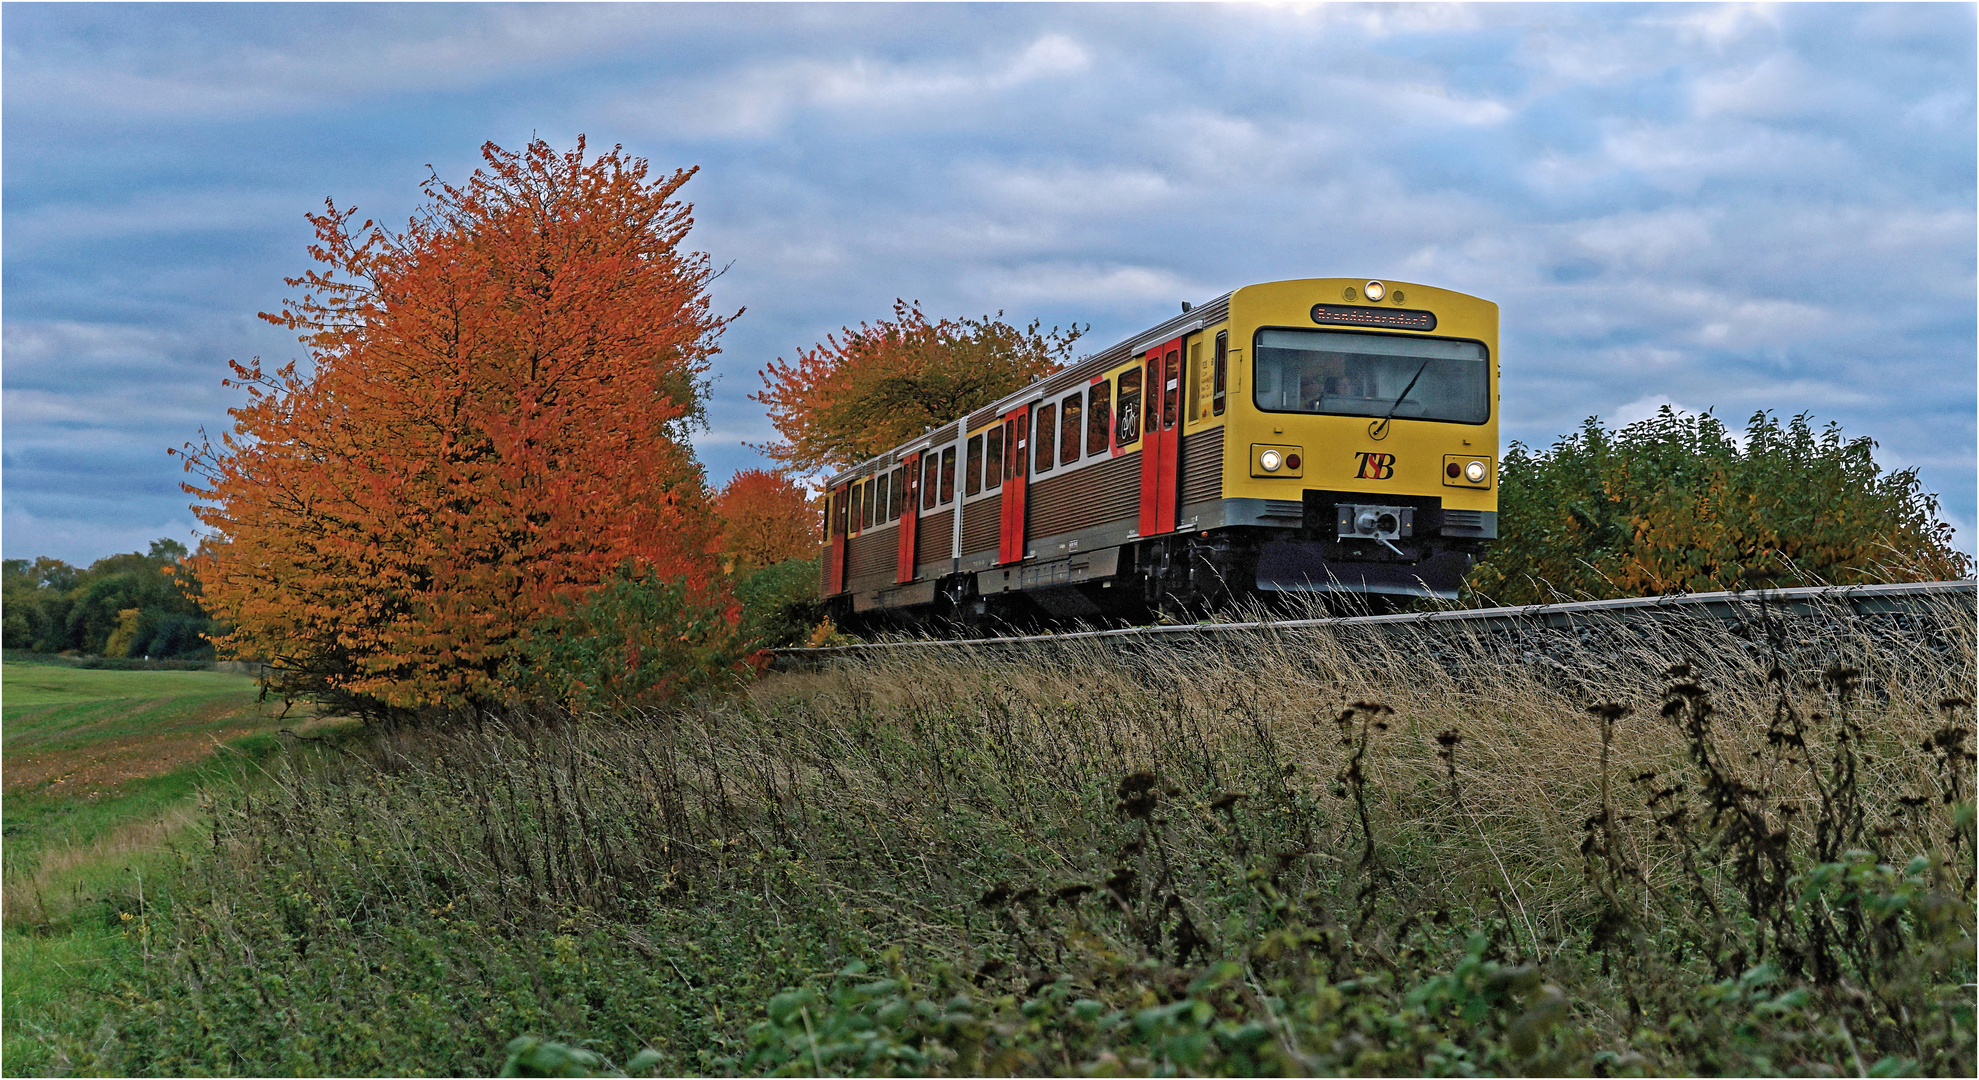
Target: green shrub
[
  {"x": 1674, "y": 503},
  {"x": 780, "y": 606},
  {"x": 639, "y": 640}
]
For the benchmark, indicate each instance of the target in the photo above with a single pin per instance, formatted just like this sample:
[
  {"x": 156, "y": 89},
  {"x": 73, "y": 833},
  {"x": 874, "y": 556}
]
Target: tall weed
[{"x": 1664, "y": 847}]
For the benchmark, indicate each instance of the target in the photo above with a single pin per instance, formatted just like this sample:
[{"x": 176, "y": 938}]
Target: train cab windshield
[{"x": 1345, "y": 374}]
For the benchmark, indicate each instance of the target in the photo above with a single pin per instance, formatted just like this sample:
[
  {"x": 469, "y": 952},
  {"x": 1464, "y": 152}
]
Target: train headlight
[
  {"x": 1376, "y": 290},
  {"x": 1474, "y": 472},
  {"x": 1277, "y": 461}
]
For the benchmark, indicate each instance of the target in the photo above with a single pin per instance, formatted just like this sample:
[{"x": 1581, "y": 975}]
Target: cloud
[
  {"x": 1072, "y": 190},
  {"x": 765, "y": 98},
  {"x": 146, "y": 215},
  {"x": 1104, "y": 286},
  {"x": 1644, "y": 408},
  {"x": 250, "y": 61},
  {"x": 82, "y": 541},
  {"x": 1729, "y": 207}
]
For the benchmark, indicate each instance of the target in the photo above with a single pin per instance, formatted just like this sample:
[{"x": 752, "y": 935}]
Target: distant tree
[
  {"x": 117, "y": 585},
  {"x": 122, "y": 605},
  {"x": 491, "y": 428},
  {"x": 1674, "y": 504},
  {"x": 766, "y": 518},
  {"x": 864, "y": 391},
  {"x": 34, "y": 603}
]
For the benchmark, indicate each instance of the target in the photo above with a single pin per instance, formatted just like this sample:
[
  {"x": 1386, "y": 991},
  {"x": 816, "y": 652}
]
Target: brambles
[
  {"x": 641, "y": 641},
  {"x": 1676, "y": 504},
  {"x": 1088, "y": 861},
  {"x": 637, "y": 641},
  {"x": 780, "y": 606}
]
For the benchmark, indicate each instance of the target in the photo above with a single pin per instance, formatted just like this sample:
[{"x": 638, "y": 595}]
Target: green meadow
[{"x": 102, "y": 770}]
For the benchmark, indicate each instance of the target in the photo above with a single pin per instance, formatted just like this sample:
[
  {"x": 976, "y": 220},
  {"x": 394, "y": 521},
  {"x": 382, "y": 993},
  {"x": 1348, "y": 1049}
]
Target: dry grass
[
  {"x": 64, "y": 878},
  {"x": 1372, "y": 797},
  {"x": 1528, "y": 773}
]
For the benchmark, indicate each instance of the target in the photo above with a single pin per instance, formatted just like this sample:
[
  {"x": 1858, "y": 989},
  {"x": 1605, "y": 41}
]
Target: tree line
[{"x": 139, "y": 604}]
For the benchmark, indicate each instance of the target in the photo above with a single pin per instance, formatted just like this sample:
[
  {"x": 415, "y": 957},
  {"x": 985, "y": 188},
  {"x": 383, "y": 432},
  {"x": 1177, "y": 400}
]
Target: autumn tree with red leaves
[
  {"x": 491, "y": 427},
  {"x": 766, "y": 518},
  {"x": 865, "y": 391}
]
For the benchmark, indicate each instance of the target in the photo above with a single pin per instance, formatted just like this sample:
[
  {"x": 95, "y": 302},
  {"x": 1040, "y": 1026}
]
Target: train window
[
  {"x": 1069, "y": 414},
  {"x": 1129, "y": 427},
  {"x": 838, "y": 513},
  {"x": 948, "y": 475},
  {"x": 885, "y": 498},
  {"x": 1152, "y": 393},
  {"x": 1042, "y": 443},
  {"x": 894, "y": 493},
  {"x": 973, "y": 479},
  {"x": 858, "y": 508},
  {"x": 828, "y": 518},
  {"x": 1222, "y": 375},
  {"x": 993, "y": 458},
  {"x": 1170, "y": 388},
  {"x": 873, "y": 503},
  {"x": 1345, "y": 374},
  {"x": 929, "y": 488},
  {"x": 1194, "y": 373},
  {"x": 1099, "y": 417}
]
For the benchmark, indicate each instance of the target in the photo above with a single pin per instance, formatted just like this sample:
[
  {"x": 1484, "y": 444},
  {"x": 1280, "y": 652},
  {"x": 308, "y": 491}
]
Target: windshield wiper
[{"x": 1380, "y": 429}]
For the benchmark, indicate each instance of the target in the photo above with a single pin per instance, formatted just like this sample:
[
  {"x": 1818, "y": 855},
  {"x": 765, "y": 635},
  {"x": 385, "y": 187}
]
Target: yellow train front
[{"x": 1321, "y": 435}]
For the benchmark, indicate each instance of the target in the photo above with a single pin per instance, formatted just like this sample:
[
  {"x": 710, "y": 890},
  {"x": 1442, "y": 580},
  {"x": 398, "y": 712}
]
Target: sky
[{"x": 1729, "y": 208}]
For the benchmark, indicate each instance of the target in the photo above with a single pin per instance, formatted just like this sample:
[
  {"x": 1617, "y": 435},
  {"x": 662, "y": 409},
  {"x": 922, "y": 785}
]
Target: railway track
[{"x": 1832, "y": 601}]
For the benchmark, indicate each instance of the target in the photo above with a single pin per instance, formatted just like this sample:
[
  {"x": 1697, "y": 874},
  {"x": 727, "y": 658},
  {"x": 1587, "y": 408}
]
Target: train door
[
  {"x": 1010, "y": 534},
  {"x": 1161, "y": 439},
  {"x": 835, "y": 558},
  {"x": 910, "y": 516}
]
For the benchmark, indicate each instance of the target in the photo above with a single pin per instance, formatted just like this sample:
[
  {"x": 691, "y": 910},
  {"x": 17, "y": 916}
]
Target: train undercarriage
[{"x": 1186, "y": 577}]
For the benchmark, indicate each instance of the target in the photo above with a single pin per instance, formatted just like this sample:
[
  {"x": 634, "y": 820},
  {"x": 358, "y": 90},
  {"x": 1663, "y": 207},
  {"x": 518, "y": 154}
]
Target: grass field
[
  {"x": 1650, "y": 850},
  {"x": 101, "y": 773}
]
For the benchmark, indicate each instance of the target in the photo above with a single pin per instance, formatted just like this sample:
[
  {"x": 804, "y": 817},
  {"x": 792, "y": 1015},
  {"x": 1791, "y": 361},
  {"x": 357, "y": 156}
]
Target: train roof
[{"x": 1076, "y": 373}]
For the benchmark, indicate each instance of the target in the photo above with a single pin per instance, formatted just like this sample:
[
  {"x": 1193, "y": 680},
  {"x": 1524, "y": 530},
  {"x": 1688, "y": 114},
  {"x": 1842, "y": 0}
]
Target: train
[{"x": 1329, "y": 438}]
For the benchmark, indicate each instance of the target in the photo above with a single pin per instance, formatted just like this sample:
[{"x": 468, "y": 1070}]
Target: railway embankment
[{"x": 1424, "y": 846}]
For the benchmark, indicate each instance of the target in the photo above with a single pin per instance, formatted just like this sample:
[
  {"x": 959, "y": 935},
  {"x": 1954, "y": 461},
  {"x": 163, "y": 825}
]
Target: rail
[{"x": 1856, "y": 599}]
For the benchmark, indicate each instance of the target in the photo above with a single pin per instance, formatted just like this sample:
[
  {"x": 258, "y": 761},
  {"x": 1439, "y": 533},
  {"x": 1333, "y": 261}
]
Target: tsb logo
[{"x": 1375, "y": 466}]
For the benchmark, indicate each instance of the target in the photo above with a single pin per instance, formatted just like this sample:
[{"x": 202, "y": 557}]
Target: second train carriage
[{"x": 1319, "y": 435}]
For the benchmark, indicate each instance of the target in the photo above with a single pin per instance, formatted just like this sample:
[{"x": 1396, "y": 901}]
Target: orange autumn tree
[
  {"x": 766, "y": 518},
  {"x": 864, "y": 391},
  {"x": 492, "y": 426}
]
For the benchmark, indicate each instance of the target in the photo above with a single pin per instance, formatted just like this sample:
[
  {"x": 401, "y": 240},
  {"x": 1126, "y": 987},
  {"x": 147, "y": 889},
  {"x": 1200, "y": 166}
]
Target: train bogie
[{"x": 1312, "y": 436}]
